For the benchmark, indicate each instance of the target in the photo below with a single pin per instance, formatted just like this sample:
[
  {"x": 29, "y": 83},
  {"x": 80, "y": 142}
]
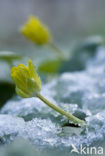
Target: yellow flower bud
[
  {"x": 27, "y": 81},
  {"x": 36, "y": 31},
  {"x": 28, "y": 84}
]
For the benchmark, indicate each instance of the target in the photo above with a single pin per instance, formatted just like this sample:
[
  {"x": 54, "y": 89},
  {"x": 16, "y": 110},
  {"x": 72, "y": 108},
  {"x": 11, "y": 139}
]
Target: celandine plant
[
  {"x": 36, "y": 31},
  {"x": 28, "y": 84},
  {"x": 39, "y": 34}
]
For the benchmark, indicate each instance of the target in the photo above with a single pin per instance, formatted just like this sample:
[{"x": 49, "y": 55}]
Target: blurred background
[
  {"x": 72, "y": 23},
  {"x": 68, "y": 20}
]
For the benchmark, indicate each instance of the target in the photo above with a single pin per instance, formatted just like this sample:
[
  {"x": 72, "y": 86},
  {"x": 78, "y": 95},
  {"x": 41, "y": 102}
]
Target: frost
[{"x": 80, "y": 93}]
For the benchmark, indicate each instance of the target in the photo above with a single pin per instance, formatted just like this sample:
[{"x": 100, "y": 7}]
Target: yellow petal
[
  {"x": 27, "y": 81},
  {"x": 31, "y": 69},
  {"x": 21, "y": 85},
  {"x": 33, "y": 72},
  {"x": 32, "y": 86},
  {"x": 36, "y": 31},
  {"x": 18, "y": 78},
  {"x": 21, "y": 93},
  {"x": 13, "y": 71},
  {"x": 24, "y": 71},
  {"x": 16, "y": 74}
]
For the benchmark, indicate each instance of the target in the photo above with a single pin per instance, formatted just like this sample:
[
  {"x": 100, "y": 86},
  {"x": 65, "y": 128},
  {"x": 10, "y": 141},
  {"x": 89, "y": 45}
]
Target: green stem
[
  {"x": 57, "y": 51},
  {"x": 61, "y": 111}
]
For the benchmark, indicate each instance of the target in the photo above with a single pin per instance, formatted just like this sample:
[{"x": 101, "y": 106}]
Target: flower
[
  {"x": 36, "y": 31},
  {"x": 28, "y": 84},
  {"x": 27, "y": 81}
]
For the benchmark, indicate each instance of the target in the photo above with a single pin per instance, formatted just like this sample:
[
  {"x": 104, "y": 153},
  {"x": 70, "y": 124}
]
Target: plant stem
[
  {"x": 57, "y": 51},
  {"x": 61, "y": 111}
]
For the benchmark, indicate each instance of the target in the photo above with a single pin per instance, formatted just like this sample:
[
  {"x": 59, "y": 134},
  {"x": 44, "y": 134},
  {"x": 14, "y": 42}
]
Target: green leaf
[
  {"x": 90, "y": 43},
  {"x": 50, "y": 66},
  {"x": 9, "y": 56}
]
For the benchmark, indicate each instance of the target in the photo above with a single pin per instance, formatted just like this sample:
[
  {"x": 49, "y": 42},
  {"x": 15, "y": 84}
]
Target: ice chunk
[
  {"x": 10, "y": 127},
  {"x": 19, "y": 147},
  {"x": 32, "y": 107},
  {"x": 81, "y": 93},
  {"x": 94, "y": 103}
]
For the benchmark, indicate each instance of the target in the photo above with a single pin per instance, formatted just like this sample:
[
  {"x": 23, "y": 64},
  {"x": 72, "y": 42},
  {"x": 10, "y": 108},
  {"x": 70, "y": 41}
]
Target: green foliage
[
  {"x": 90, "y": 43},
  {"x": 9, "y": 56},
  {"x": 81, "y": 53},
  {"x": 50, "y": 66}
]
